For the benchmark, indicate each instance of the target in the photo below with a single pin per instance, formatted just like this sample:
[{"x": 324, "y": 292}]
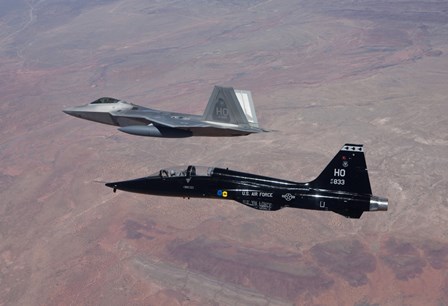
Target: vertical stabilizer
[
  {"x": 346, "y": 172},
  {"x": 231, "y": 106}
]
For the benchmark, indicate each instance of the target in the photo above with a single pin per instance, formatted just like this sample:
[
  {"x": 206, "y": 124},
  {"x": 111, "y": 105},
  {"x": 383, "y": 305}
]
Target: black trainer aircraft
[{"x": 343, "y": 187}]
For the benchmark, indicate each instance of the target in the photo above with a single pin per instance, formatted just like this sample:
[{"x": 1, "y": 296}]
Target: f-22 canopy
[{"x": 229, "y": 112}]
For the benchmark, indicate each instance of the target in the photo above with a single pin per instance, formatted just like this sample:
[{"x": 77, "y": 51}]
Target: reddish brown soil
[{"x": 322, "y": 73}]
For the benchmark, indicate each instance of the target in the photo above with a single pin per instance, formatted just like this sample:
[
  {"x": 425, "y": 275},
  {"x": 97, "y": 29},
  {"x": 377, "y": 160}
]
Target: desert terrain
[{"x": 322, "y": 73}]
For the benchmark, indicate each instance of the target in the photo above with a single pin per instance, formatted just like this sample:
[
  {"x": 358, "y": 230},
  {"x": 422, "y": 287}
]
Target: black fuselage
[
  {"x": 342, "y": 187},
  {"x": 259, "y": 192}
]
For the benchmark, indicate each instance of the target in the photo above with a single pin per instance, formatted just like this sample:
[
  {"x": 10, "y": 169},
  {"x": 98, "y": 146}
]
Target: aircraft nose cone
[
  {"x": 72, "y": 111},
  {"x": 112, "y": 185},
  {"x": 68, "y": 111},
  {"x": 136, "y": 185}
]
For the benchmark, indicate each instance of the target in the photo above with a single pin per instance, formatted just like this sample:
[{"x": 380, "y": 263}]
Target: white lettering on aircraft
[
  {"x": 338, "y": 181},
  {"x": 257, "y": 194},
  {"x": 334, "y": 181},
  {"x": 339, "y": 172}
]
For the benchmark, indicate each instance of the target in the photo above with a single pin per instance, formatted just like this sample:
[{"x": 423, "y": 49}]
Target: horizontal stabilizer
[{"x": 349, "y": 213}]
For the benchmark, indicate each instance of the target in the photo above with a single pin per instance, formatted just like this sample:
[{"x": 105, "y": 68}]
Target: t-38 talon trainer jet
[
  {"x": 343, "y": 187},
  {"x": 229, "y": 112}
]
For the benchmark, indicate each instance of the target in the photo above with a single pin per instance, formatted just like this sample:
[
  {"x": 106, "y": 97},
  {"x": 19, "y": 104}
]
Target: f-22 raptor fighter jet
[
  {"x": 343, "y": 187},
  {"x": 229, "y": 112}
]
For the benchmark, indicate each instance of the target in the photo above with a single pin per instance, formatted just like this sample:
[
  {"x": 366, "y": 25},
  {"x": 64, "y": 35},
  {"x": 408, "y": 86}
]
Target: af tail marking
[
  {"x": 346, "y": 172},
  {"x": 228, "y": 105}
]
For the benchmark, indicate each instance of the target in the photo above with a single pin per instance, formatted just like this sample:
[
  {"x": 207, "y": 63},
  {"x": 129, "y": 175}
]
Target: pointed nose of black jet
[
  {"x": 136, "y": 185},
  {"x": 112, "y": 185}
]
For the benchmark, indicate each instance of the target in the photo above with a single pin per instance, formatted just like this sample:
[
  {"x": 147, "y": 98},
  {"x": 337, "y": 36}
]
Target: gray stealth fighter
[{"x": 229, "y": 112}]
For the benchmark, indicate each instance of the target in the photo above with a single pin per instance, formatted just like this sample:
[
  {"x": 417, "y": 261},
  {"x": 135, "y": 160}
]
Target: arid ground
[{"x": 322, "y": 73}]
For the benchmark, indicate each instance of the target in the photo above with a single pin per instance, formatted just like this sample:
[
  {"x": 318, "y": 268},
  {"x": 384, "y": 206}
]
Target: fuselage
[
  {"x": 259, "y": 192},
  {"x": 121, "y": 113}
]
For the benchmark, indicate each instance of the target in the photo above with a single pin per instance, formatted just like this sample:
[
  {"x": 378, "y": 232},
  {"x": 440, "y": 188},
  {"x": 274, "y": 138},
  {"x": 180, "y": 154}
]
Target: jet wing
[
  {"x": 192, "y": 124},
  {"x": 171, "y": 120},
  {"x": 181, "y": 121}
]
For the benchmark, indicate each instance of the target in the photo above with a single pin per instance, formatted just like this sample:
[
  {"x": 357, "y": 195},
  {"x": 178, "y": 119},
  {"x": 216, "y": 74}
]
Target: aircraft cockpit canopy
[
  {"x": 105, "y": 100},
  {"x": 185, "y": 171}
]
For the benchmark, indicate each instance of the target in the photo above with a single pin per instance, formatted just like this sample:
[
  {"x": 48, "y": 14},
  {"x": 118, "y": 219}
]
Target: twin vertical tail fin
[
  {"x": 227, "y": 105},
  {"x": 346, "y": 172}
]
